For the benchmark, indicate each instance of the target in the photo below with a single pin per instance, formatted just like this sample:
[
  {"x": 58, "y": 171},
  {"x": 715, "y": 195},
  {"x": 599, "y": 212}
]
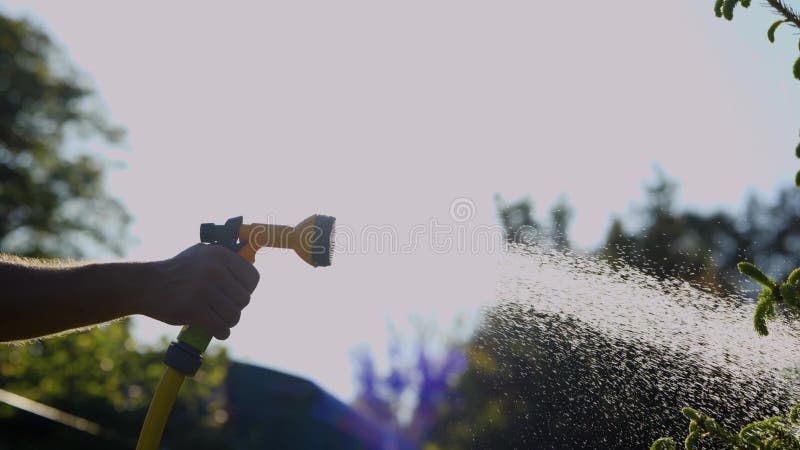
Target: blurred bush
[{"x": 104, "y": 376}]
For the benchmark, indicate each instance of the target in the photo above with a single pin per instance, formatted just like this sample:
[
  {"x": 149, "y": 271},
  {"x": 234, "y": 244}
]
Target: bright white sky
[{"x": 383, "y": 113}]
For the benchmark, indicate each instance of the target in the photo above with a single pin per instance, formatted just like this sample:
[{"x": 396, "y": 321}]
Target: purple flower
[
  {"x": 428, "y": 378},
  {"x": 365, "y": 372}
]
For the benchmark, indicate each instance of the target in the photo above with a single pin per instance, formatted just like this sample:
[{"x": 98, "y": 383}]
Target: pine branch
[
  {"x": 777, "y": 432},
  {"x": 724, "y": 8},
  {"x": 786, "y": 11}
]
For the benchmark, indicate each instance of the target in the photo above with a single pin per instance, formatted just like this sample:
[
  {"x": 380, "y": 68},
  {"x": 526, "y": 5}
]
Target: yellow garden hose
[
  {"x": 183, "y": 358},
  {"x": 160, "y": 407}
]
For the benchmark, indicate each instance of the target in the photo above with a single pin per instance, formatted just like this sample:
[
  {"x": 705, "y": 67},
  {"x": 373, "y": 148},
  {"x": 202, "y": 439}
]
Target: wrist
[{"x": 141, "y": 284}]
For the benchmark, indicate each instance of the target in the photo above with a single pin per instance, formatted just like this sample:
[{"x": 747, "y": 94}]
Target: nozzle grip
[{"x": 197, "y": 338}]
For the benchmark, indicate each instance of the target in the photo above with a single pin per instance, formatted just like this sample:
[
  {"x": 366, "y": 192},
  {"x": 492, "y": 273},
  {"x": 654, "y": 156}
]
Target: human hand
[{"x": 205, "y": 286}]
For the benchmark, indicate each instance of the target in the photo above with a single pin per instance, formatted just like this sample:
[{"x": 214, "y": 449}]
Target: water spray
[{"x": 311, "y": 239}]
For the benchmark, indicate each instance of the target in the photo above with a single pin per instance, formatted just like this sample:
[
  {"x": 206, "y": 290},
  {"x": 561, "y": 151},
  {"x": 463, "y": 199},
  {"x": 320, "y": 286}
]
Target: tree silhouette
[
  {"x": 52, "y": 196},
  {"x": 560, "y": 217}
]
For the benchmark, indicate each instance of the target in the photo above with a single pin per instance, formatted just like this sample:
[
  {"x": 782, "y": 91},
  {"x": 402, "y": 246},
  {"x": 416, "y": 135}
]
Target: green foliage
[
  {"x": 560, "y": 216},
  {"x": 772, "y": 28},
  {"x": 724, "y": 8},
  {"x": 765, "y": 309},
  {"x": 756, "y": 275},
  {"x": 794, "y": 414},
  {"x": 772, "y": 294},
  {"x": 52, "y": 196},
  {"x": 729, "y": 5},
  {"x": 658, "y": 241},
  {"x": 796, "y": 69},
  {"x": 663, "y": 444},
  {"x": 788, "y": 292},
  {"x": 521, "y": 226},
  {"x": 103, "y": 375},
  {"x": 776, "y": 432},
  {"x": 705, "y": 249},
  {"x": 718, "y": 7}
]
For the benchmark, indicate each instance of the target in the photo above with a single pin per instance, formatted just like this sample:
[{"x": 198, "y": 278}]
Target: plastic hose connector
[{"x": 184, "y": 358}]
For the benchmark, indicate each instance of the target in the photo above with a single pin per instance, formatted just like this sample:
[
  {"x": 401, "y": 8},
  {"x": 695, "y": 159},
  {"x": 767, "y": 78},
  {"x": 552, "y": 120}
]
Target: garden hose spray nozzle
[{"x": 311, "y": 239}]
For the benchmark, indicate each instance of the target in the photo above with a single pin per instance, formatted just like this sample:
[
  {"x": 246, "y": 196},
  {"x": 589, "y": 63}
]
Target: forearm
[
  {"x": 40, "y": 299},
  {"x": 205, "y": 286}
]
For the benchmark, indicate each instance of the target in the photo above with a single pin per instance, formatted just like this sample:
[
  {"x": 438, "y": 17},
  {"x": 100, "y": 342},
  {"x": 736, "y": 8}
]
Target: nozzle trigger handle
[
  {"x": 186, "y": 355},
  {"x": 226, "y": 235}
]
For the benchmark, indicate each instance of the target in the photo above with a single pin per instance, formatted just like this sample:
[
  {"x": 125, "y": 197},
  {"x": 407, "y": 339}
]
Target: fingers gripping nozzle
[{"x": 186, "y": 354}]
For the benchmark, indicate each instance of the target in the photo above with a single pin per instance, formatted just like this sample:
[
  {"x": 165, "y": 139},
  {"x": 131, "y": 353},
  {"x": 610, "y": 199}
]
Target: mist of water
[{"x": 605, "y": 352}]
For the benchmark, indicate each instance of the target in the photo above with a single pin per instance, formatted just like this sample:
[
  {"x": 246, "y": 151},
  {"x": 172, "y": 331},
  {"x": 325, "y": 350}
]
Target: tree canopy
[{"x": 53, "y": 200}]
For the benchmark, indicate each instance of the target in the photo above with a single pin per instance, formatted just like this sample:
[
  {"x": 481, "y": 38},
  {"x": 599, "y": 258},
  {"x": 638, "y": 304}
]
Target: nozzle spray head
[{"x": 312, "y": 240}]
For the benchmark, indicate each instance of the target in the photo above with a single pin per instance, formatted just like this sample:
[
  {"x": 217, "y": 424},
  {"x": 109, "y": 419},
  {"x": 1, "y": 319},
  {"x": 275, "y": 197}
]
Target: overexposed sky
[{"x": 384, "y": 113}]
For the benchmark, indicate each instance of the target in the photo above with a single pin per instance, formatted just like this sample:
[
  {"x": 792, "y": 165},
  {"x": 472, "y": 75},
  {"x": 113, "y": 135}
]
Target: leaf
[
  {"x": 663, "y": 444},
  {"x": 690, "y": 413},
  {"x": 772, "y": 28},
  {"x": 727, "y": 8},
  {"x": 764, "y": 309},
  {"x": 749, "y": 433},
  {"x": 794, "y": 277},
  {"x": 794, "y": 414},
  {"x": 756, "y": 275},
  {"x": 709, "y": 424},
  {"x": 691, "y": 440},
  {"x": 789, "y": 294},
  {"x": 718, "y": 8},
  {"x": 796, "y": 69}
]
